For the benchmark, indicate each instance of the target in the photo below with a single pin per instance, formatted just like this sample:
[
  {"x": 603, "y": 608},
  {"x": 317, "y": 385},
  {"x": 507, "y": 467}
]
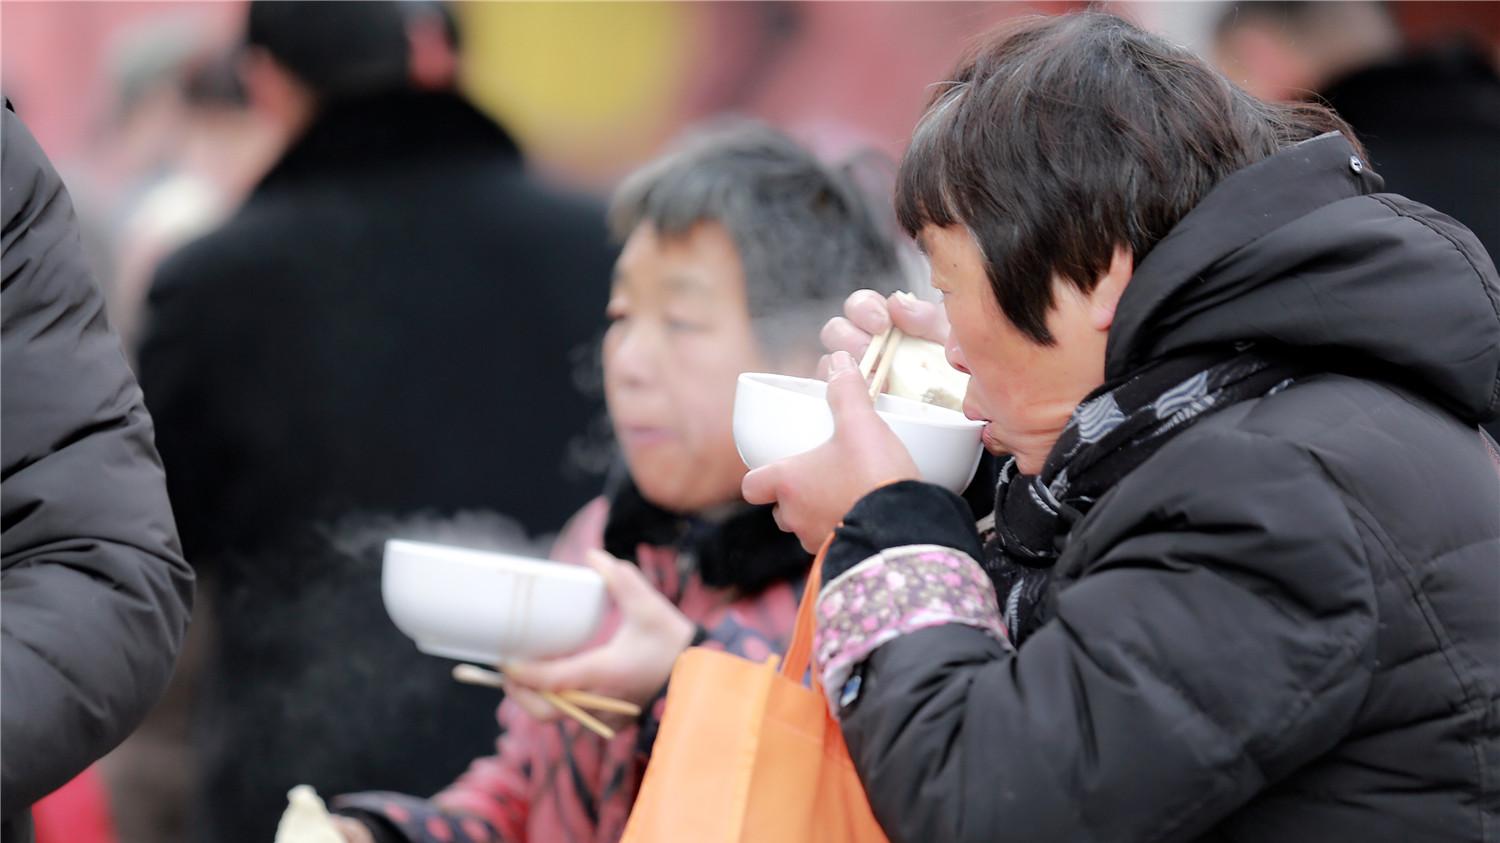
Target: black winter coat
[
  {"x": 94, "y": 588},
  {"x": 391, "y": 326},
  {"x": 1285, "y": 624}
]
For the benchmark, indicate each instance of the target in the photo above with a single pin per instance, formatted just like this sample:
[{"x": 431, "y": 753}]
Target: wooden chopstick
[
  {"x": 887, "y": 356},
  {"x": 872, "y": 353},
  {"x": 571, "y": 703},
  {"x": 586, "y": 720},
  {"x": 599, "y": 702}
]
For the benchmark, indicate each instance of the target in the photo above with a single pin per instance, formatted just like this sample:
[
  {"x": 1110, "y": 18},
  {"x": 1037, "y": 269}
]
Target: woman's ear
[{"x": 1106, "y": 295}]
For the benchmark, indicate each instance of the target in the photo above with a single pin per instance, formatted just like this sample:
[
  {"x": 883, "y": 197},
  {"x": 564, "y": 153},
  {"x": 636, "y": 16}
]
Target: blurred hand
[
  {"x": 352, "y": 830},
  {"x": 813, "y": 491},
  {"x": 867, "y": 314},
  {"x": 632, "y": 666}
]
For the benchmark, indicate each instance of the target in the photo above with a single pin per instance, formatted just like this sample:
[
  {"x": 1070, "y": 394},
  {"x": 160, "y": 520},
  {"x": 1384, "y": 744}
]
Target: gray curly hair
[{"x": 807, "y": 234}]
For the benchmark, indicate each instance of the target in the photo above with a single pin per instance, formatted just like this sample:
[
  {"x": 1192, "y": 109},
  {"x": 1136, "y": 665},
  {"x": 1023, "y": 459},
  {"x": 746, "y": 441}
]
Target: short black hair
[
  {"x": 1057, "y": 139},
  {"x": 342, "y": 47},
  {"x": 806, "y": 233}
]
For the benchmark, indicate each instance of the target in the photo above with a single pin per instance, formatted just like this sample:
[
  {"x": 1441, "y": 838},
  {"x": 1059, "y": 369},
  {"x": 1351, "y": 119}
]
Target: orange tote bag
[{"x": 746, "y": 754}]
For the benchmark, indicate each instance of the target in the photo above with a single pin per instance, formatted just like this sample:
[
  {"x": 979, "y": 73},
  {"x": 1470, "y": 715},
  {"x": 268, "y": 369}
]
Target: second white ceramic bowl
[{"x": 482, "y": 607}]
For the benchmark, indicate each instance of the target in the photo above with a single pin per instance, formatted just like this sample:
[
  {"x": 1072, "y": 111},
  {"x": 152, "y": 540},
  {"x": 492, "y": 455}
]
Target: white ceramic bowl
[
  {"x": 482, "y": 607},
  {"x": 778, "y": 416}
]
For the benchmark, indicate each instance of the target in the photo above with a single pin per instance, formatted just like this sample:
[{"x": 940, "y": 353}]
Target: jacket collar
[
  {"x": 390, "y": 129},
  {"x": 1244, "y": 207},
  {"x": 742, "y": 549}
]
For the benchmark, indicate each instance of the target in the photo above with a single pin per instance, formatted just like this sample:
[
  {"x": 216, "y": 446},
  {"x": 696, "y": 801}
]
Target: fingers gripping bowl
[
  {"x": 478, "y": 606},
  {"x": 779, "y": 416}
]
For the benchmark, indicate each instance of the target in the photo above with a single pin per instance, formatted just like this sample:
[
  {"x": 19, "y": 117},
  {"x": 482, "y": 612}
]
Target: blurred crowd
[{"x": 359, "y": 257}]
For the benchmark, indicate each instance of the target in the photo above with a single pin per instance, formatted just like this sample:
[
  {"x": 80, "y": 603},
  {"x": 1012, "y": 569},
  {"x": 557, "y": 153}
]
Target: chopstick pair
[
  {"x": 571, "y": 703},
  {"x": 876, "y": 364}
]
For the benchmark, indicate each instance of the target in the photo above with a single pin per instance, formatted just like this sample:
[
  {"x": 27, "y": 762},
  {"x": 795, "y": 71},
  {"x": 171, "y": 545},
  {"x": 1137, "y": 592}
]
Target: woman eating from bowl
[
  {"x": 733, "y": 243},
  {"x": 1243, "y": 580}
]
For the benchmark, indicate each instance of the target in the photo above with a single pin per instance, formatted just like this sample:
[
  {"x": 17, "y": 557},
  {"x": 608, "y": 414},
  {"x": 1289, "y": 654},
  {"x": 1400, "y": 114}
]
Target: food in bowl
[
  {"x": 306, "y": 819},
  {"x": 920, "y": 372},
  {"x": 478, "y": 606}
]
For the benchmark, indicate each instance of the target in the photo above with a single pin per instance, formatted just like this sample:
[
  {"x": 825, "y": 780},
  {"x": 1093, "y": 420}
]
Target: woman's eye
[{"x": 684, "y": 325}]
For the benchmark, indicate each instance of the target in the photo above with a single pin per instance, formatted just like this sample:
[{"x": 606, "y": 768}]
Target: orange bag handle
[{"x": 799, "y": 651}]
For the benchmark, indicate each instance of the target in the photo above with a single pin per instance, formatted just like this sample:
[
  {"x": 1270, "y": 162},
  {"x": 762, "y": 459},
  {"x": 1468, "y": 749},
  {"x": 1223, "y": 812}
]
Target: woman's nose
[
  {"x": 955, "y": 355},
  {"x": 632, "y": 360}
]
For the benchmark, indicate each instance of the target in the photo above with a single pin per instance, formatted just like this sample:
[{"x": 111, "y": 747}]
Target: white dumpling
[
  {"x": 306, "y": 819},
  {"x": 921, "y": 372}
]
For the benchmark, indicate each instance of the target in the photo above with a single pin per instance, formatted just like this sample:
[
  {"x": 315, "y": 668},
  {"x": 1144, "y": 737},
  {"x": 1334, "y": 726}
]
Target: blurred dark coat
[
  {"x": 95, "y": 591},
  {"x": 1431, "y": 123},
  {"x": 390, "y": 325}
]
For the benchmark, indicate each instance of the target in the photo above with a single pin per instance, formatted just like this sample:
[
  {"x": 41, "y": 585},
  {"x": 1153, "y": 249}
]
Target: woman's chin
[
  {"x": 663, "y": 491},
  {"x": 670, "y": 493}
]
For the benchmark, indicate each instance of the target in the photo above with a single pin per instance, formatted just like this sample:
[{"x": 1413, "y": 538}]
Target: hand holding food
[{"x": 868, "y": 314}]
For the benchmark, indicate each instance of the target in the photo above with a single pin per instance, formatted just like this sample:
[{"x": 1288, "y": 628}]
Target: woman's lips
[
  {"x": 973, "y": 411},
  {"x": 644, "y": 436},
  {"x": 987, "y": 435}
]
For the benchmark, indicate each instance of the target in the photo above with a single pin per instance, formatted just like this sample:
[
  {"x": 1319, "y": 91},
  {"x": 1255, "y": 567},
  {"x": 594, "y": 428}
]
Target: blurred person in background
[
  {"x": 386, "y": 327},
  {"x": 96, "y": 594},
  {"x": 174, "y": 149},
  {"x": 1429, "y": 118},
  {"x": 133, "y": 139},
  {"x": 220, "y": 147},
  {"x": 190, "y": 149},
  {"x": 737, "y": 244}
]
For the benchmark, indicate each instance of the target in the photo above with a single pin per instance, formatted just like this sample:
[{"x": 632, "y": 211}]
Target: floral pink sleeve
[{"x": 893, "y": 593}]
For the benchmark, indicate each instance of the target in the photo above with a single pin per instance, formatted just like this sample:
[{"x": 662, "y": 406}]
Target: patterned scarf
[{"x": 1109, "y": 435}]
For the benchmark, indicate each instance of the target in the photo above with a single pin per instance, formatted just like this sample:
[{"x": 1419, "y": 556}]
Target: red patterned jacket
[{"x": 556, "y": 781}]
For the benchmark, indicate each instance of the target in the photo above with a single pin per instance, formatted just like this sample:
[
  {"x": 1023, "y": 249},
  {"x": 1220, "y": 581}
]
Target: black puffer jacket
[
  {"x": 95, "y": 590},
  {"x": 1285, "y": 624}
]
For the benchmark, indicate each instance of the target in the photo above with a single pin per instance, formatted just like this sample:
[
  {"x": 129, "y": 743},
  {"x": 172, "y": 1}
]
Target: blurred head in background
[
  {"x": 1281, "y": 50},
  {"x": 1419, "y": 82},
  {"x": 301, "y": 55},
  {"x": 737, "y": 243}
]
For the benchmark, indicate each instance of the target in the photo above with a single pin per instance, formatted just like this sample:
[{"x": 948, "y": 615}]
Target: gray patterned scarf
[{"x": 1110, "y": 434}]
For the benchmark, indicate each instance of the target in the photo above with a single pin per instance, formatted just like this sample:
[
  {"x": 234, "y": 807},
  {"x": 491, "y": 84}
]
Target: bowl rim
[
  {"x": 774, "y": 381},
  {"x": 491, "y": 560}
]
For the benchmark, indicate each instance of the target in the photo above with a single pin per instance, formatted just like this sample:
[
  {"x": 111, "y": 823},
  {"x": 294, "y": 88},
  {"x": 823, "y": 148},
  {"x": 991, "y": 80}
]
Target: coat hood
[{"x": 1301, "y": 250}]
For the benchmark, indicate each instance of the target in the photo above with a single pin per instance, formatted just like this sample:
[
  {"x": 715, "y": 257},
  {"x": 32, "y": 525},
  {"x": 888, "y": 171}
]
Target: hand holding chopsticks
[
  {"x": 632, "y": 666},
  {"x": 875, "y": 366},
  {"x": 571, "y": 703}
]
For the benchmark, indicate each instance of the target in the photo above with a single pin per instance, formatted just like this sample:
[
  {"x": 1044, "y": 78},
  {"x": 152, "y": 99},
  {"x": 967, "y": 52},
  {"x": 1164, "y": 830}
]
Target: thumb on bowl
[
  {"x": 848, "y": 393},
  {"x": 624, "y": 581},
  {"x": 759, "y": 485}
]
